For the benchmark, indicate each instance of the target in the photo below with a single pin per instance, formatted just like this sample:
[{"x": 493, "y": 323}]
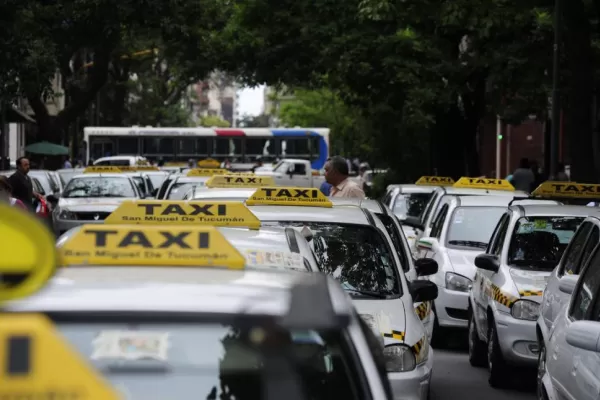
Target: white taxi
[
  {"x": 511, "y": 276},
  {"x": 134, "y": 303},
  {"x": 353, "y": 246}
]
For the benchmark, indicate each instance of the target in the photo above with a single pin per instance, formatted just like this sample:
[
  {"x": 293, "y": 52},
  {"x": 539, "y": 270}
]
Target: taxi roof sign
[
  {"x": 239, "y": 181},
  {"x": 138, "y": 168},
  {"x": 567, "y": 190},
  {"x": 484, "y": 183},
  {"x": 215, "y": 213},
  {"x": 435, "y": 181},
  {"x": 206, "y": 171},
  {"x": 289, "y": 196},
  {"x": 32, "y": 347},
  {"x": 151, "y": 245},
  {"x": 102, "y": 169},
  {"x": 209, "y": 163},
  {"x": 28, "y": 254}
]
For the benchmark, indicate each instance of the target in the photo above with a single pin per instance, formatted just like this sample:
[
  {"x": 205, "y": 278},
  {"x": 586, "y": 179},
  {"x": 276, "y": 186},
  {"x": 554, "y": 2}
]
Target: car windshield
[
  {"x": 357, "y": 256},
  {"x": 539, "y": 242},
  {"x": 472, "y": 227},
  {"x": 411, "y": 204},
  {"x": 139, "y": 182},
  {"x": 99, "y": 186},
  {"x": 163, "y": 360},
  {"x": 67, "y": 174},
  {"x": 179, "y": 189}
]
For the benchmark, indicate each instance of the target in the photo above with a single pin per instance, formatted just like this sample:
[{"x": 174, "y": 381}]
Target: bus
[{"x": 244, "y": 145}]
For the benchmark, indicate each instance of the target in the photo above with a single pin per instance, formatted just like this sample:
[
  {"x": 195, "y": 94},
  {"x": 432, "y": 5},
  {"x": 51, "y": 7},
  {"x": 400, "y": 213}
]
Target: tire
[
  {"x": 541, "y": 371},
  {"x": 477, "y": 347},
  {"x": 498, "y": 370}
]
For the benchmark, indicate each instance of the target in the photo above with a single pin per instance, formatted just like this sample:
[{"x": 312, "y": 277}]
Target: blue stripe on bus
[{"x": 317, "y": 164}]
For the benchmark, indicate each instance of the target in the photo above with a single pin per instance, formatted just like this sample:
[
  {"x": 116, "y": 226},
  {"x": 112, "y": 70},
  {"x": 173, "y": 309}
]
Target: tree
[
  {"x": 213, "y": 120},
  {"x": 83, "y": 45},
  {"x": 253, "y": 121}
]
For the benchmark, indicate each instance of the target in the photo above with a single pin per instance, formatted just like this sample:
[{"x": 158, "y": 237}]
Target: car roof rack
[{"x": 311, "y": 306}]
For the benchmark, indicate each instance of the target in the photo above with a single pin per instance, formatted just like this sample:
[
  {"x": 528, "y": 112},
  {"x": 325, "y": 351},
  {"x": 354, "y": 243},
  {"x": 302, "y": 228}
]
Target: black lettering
[
  {"x": 302, "y": 193},
  {"x": 284, "y": 193},
  {"x": 18, "y": 360},
  {"x": 268, "y": 191},
  {"x": 173, "y": 209},
  {"x": 221, "y": 209},
  {"x": 250, "y": 180},
  {"x": 177, "y": 239},
  {"x": 228, "y": 179},
  {"x": 203, "y": 240},
  {"x": 100, "y": 236},
  {"x": 571, "y": 188},
  {"x": 149, "y": 208},
  {"x": 135, "y": 238},
  {"x": 198, "y": 209},
  {"x": 558, "y": 187}
]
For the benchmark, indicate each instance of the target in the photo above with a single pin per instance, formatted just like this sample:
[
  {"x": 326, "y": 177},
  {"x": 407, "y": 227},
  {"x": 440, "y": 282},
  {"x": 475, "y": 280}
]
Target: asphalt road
[{"x": 454, "y": 378}]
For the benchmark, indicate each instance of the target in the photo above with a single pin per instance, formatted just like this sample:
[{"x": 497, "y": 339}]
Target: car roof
[
  {"x": 191, "y": 179},
  {"x": 103, "y": 175},
  {"x": 412, "y": 188},
  {"x": 265, "y": 237},
  {"x": 336, "y": 215},
  {"x": 472, "y": 191},
  {"x": 174, "y": 290},
  {"x": 531, "y": 210},
  {"x": 223, "y": 193},
  {"x": 499, "y": 201},
  {"x": 373, "y": 205}
]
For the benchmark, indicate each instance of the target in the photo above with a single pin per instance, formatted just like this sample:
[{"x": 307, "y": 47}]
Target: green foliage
[
  {"x": 213, "y": 120},
  {"x": 251, "y": 121}
]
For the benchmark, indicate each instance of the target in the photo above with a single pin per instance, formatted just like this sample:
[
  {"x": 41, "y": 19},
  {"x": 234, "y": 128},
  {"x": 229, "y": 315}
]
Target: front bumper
[
  {"x": 517, "y": 339},
  {"x": 451, "y": 308},
  {"x": 63, "y": 225},
  {"x": 413, "y": 385}
]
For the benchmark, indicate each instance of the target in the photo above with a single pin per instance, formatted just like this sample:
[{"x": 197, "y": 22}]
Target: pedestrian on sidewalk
[{"x": 337, "y": 175}]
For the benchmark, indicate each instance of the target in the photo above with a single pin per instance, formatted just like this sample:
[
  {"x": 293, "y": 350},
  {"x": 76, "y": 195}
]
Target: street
[{"x": 454, "y": 378}]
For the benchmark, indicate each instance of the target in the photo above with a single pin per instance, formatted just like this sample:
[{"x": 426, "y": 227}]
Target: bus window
[
  {"x": 158, "y": 146},
  {"x": 128, "y": 145},
  {"x": 257, "y": 146},
  {"x": 102, "y": 147},
  {"x": 295, "y": 148},
  {"x": 228, "y": 147},
  {"x": 191, "y": 147}
]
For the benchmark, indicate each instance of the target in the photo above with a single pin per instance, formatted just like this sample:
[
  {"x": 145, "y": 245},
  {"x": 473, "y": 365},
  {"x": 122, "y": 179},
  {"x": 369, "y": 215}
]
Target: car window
[
  {"x": 538, "y": 242},
  {"x": 472, "y": 227},
  {"x": 149, "y": 185},
  {"x": 589, "y": 247},
  {"x": 99, "y": 186},
  {"x": 157, "y": 179},
  {"x": 37, "y": 186},
  {"x": 356, "y": 255},
  {"x": 429, "y": 208},
  {"x": 410, "y": 204},
  {"x": 572, "y": 256},
  {"x": 163, "y": 188},
  {"x": 438, "y": 223},
  {"x": 499, "y": 235},
  {"x": 231, "y": 363},
  {"x": 139, "y": 182},
  {"x": 179, "y": 189},
  {"x": 587, "y": 290},
  {"x": 299, "y": 169},
  {"x": 394, "y": 232}
]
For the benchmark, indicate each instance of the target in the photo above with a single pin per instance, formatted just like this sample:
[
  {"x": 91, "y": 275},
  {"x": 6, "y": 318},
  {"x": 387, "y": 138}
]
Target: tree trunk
[
  {"x": 447, "y": 138},
  {"x": 577, "y": 45}
]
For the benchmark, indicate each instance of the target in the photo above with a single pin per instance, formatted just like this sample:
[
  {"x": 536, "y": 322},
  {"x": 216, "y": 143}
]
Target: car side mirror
[
  {"x": 413, "y": 222},
  {"x": 489, "y": 262},
  {"x": 52, "y": 199},
  {"x": 426, "y": 266},
  {"x": 567, "y": 283},
  {"x": 584, "y": 335},
  {"x": 427, "y": 243},
  {"x": 422, "y": 290}
]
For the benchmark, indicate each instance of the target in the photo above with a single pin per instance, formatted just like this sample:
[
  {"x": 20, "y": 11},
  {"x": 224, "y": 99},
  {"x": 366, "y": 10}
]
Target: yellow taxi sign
[
  {"x": 484, "y": 183},
  {"x": 151, "y": 245},
  {"x": 28, "y": 254},
  {"x": 146, "y": 168},
  {"x": 289, "y": 196},
  {"x": 567, "y": 190},
  {"x": 102, "y": 169},
  {"x": 209, "y": 163},
  {"x": 248, "y": 181},
  {"x": 215, "y": 213},
  {"x": 175, "y": 164},
  {"x": 435, "y": 181},
  {"x": 207, "y": 171},
  {"x": 33, "y": 350}
]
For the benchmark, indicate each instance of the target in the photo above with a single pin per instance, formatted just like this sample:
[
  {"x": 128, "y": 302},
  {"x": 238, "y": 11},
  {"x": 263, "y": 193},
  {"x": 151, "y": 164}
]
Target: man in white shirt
[{"x": 336, "y": 174}]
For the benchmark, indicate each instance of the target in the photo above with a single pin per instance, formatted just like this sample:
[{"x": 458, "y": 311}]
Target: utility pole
[{"x": 555, "y": 127}]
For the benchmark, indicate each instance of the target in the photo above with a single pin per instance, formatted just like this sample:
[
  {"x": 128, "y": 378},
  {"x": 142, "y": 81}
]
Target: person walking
[
  {"x": 6, "y": 194},
  {"x": 22, "y": 188},
  {"x": 561, "y": 175},
  {"x": 523, "y": 178},
  {"x": 336, "y": 174},
  {"x": 67, "y": 163}
]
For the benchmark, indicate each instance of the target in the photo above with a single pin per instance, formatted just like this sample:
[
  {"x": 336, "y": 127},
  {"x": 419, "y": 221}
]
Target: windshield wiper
[
  {"x": 468, "y": 243},
  {"x": 366, "y": 293}
]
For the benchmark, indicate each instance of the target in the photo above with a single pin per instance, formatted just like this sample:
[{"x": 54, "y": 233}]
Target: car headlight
[
  {"x": 525, "y": 309},
  {"x": 66, "y": 214},
  {"x": 399, "y": 358},
  {"x": 457, "y": 282}
]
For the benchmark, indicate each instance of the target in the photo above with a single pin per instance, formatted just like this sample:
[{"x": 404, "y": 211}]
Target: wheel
[
  {"x": 477, "y": 347},
  {"x": 541, "y": 371},
  {"x": 498, "y": 369},
  {"x": 439, "y": 339}
]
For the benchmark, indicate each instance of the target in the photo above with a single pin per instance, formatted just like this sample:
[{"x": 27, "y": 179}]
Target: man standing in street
[
  {"x": 336, "y": 174},
  {"x": 22, "y": 188},
  {"x": 523, "y": 178}
]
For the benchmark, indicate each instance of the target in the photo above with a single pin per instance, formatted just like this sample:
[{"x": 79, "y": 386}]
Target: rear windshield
[
  {"x": 411, "y": 204},
  {"x": 539, "y": 242},
  {"x": 356, "y": 255},
  {"x": 213, "y": 361},
  {"x": 472, "y": 227}
]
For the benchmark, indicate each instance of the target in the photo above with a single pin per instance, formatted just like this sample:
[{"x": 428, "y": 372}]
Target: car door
[
  {"x": 481, "y": 285},
  {"x": 435, "y": 233},
  {"x": 576, "y": 372}
]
